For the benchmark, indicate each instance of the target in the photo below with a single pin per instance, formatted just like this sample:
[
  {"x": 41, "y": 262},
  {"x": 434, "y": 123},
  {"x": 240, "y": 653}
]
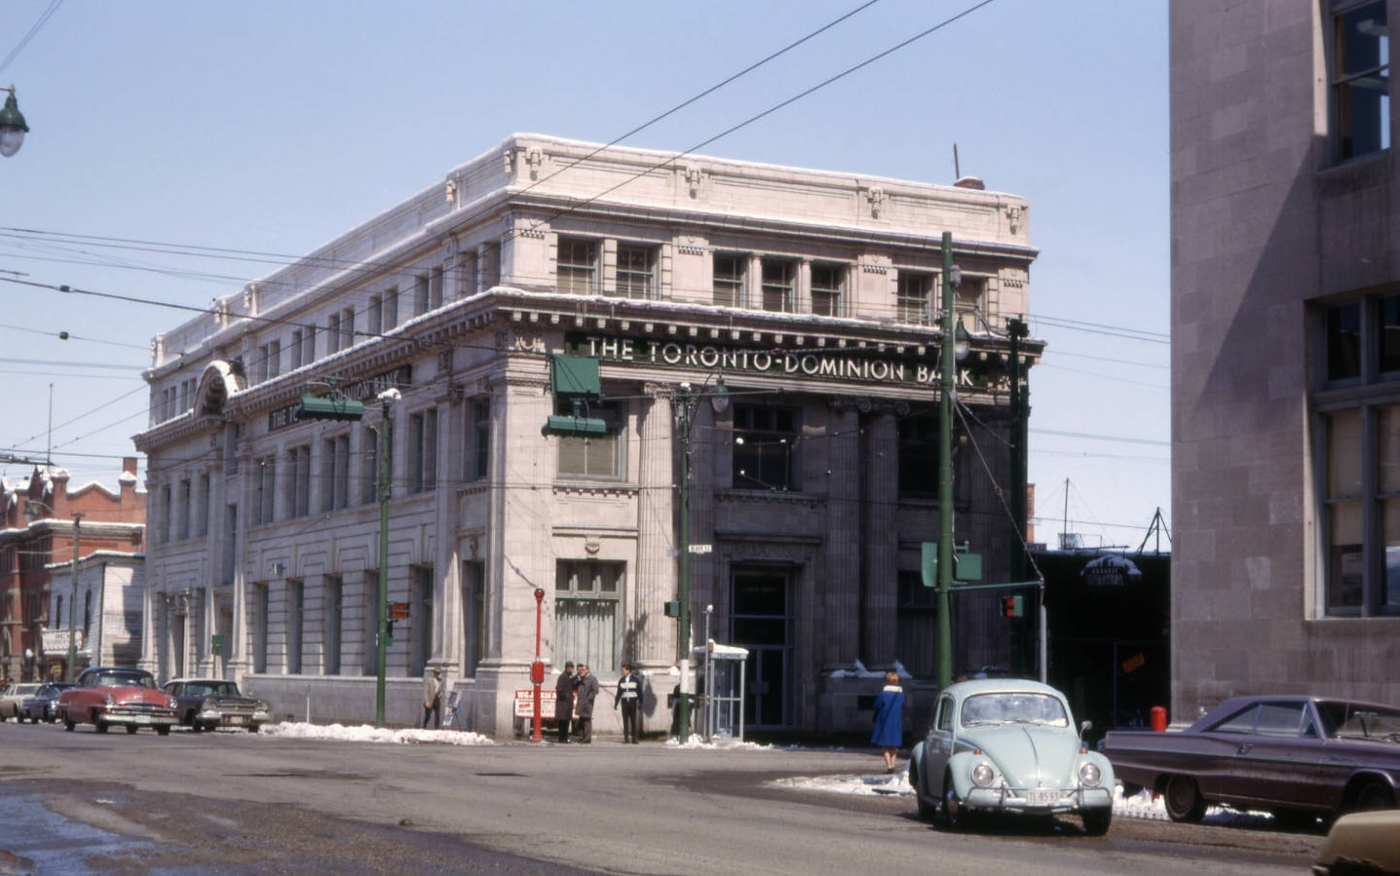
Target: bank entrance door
[{"x": 761, "y": 624}]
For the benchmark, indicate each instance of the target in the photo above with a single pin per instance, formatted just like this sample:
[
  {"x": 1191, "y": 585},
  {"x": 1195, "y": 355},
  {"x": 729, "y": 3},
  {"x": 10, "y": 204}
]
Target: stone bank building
[{"x": 774, "y": 328}]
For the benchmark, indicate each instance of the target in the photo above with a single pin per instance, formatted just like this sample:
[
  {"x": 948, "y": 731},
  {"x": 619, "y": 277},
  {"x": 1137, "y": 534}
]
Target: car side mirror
[{"x": 1085, "y": 727}]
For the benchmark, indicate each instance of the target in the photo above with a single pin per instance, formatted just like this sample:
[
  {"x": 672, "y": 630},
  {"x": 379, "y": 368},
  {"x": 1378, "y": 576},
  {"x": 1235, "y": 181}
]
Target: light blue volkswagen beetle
[{"x": 1009, "y": 745}]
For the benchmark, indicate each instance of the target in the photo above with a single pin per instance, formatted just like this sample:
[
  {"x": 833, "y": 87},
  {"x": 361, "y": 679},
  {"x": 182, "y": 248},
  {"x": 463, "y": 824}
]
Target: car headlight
[
  {"x": 110, "y": 699},
  {"x": 262, "y": 706},
  {"x": 173, "y": 703},
  {"x": 1089, "y": 773},
  {"x": 983, "y": 774}
]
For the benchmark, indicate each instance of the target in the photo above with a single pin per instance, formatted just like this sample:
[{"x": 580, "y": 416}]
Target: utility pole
[
  {"x": 386, "y": 444},
  {"x": 947, "y": 354},
  {"x": 73, "y": 599}
]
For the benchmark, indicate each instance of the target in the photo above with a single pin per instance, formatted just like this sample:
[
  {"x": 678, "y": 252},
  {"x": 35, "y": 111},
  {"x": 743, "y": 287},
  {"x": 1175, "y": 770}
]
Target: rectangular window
[
  {"x": 274, "y": 359},
  {"x": 333, "y": 333},
  {"x": 296, "y": 606},
  {"x": 201, "y": 526},
  {"x": 1361, "y": 80},
  {"x": 466, "y": 275},
  {"x": 264, "y": 489},
  {"x": 729, "y": 280},
  {"x": 229, "y": 547},
  {"x": 828, "y": 284},
  {"x": 420, "y": 295},
  {"x": 294, "y": 351},
  {"x": 374, "y": 315},
  {"x": 914, "y": 297},
  {"x": 347, "y": 328},
  {"x": 969, "y": 302},
  {"x": 369, "y": 476},
  {"x": 435, "y": 289},
  {"x": 918, "y": 455},
  {"x": 166, "y": 514},
  {"x": 594, "y": 456},
  {"x": 473, "y": 616},
  {"x": 577, "y": 267},
  {"x": 916, "y": 621},
  {"x": 333, "y": 609},
  {"x": 636, "y": 272},
  {"x": 765, "y": 447},
  {"x": 587, "y": 612},
  {"x": 479, "y": 434},
  {"x": 299, "y": 481},
  {"x": 308, "y": 345},
  {"x": 335, "y": 473},
  {"x": 421, "y": 620},
  {"x": 778, "y": 281},
  {"x": 422, "y": 449},
  {"x": 186, "y": 509},
  {"x": 391, "y": 307},
  {"x": 260, "y": 608},
  {"x": 1344, "y": 342}
]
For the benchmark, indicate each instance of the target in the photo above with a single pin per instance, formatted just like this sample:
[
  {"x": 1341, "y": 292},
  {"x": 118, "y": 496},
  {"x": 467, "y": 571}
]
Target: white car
[{"x": 14, "y": 695}]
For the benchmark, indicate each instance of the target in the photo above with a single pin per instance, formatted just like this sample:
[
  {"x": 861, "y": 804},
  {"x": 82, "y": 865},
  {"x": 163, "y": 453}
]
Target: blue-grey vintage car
[{"x": 1009, "y": 745}]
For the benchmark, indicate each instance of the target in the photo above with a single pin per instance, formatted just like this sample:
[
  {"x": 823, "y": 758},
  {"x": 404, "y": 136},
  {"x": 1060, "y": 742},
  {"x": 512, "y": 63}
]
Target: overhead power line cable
[{"x": 24, "y": 41}]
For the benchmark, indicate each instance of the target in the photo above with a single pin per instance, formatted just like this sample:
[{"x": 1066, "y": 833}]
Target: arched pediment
[{"x": 216, "y": 384}]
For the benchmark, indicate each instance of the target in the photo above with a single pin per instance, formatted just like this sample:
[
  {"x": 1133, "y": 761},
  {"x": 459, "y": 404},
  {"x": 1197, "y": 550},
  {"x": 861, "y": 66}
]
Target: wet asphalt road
[{"x": 75, "y": 803}]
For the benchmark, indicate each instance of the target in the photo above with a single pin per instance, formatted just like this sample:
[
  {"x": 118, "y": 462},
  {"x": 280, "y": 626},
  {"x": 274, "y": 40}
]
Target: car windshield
[
  {"x": 117, "y": 678},
  {"x": 211, "y": 688},
  {"x": 1013, "y": 708},
  {"x": 1360, "y": 721}
]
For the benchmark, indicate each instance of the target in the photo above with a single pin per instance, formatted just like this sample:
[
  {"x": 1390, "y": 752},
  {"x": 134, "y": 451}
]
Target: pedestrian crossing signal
[{"x": 1013, "y": 606}]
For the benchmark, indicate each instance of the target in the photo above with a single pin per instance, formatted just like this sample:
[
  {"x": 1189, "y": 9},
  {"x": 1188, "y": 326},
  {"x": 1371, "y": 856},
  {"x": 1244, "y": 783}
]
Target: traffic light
[{"x": 1013, "y": 606}]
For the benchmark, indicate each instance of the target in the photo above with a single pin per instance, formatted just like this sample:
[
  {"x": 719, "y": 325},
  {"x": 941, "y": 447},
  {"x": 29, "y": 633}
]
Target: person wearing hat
[
  {"x": 432, "y": 698},
  {"x": 564, "y": 701}
]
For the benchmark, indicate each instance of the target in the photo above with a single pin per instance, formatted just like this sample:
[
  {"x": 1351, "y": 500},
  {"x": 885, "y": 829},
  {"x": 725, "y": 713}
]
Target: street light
[
  {"x": 947, "y": 357},
  {"x": 31, "y": 515},
  {"x": 386, "y": 444},
  {"x": 12, "y": 125},
  {"x": 685, "y": 415}
]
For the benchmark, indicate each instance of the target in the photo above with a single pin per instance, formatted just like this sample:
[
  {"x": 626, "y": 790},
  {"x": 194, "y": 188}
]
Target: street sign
[{"x": 398, "y": 611}]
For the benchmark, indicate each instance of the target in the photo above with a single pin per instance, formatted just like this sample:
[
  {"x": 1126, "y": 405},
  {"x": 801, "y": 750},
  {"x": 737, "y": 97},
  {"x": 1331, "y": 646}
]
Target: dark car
[
  {"x": 210, "y": 703},
  {"x": 40, "y": 707},
  {"x": 1298, "y": 757}
]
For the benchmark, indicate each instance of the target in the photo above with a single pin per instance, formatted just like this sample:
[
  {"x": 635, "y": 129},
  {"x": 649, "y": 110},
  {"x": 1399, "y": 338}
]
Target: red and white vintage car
[{"x": 112, "y": 695}]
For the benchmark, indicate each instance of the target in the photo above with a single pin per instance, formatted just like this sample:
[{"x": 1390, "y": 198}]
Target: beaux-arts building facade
[{"x": 810, "y": 297}]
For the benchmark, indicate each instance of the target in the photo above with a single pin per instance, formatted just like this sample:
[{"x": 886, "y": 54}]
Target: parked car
[
  {"x": 210, "y": 703},
  {"x": 1361, "y": 843},
  {"x": 108, "y": 695},
  {"x": 13, "y": 696},
  {"x": 1298, "y": 757},
  {"x": 1009, "y": 745},
  {"x": 40, "y": 707}
]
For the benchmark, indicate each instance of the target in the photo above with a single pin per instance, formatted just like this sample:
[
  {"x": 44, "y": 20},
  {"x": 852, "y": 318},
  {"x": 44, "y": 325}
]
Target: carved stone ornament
[
  {"x": 876, "y": 197},
  {"x": 1013, "y": 218},
  {"x": 534, "y": 156},
  {"x": 520, "y": 341},
  {"x": 693, "y": 177},
  {"x": 508, "y": 162},
  {"x": 452, "y": 193}
]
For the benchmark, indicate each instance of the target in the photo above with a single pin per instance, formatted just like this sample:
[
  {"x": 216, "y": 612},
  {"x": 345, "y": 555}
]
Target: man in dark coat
[
  {"x": 629, "y": 697},
  {"x": 585, "y": 693},
  {"x": 564, "y": 701}
]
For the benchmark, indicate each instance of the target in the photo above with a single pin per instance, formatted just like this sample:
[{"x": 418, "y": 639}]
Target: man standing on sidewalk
[
  {"x": 432, "y": 698},
  {"x": 586, "y": 693},
  {"x": 629, "y": 697},
  {"x": 564, "y": 701}
]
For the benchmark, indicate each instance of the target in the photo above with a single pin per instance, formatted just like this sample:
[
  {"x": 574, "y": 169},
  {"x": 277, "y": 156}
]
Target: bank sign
[{"x": 845, "y": 365}]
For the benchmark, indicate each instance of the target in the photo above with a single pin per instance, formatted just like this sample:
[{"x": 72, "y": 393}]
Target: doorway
[{"x": 761, "y": 624}]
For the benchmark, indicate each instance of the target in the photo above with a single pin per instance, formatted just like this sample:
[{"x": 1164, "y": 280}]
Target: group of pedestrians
[{"x": 575, "y": 691}]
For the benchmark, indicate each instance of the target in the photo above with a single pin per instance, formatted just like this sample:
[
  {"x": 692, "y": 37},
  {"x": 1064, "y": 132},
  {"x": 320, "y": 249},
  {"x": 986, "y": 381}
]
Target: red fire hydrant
[{"x": 1159, "y": 718}]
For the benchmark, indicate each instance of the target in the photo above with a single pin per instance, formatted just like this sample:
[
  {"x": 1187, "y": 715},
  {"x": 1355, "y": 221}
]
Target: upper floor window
[
  {"x": 587, "y": 612},
  {"x": 828, "y": 284},
  {"x": 577, "y": 267},
  {"x": 264, "y": 486},
  {"x": 778, "y": 277},
  {"x": 594, "y": 456},
  {"x": 729, "y": 280},
  {"x": 422, "y": 451},
  {"x": 970, "y": 302},
  {"x": 299, "y": 481},
  {"x": 636, "y": 271},
  {"x": 765, "y": 447},
  {"x": 421, "y": 295},
  {"x": 335, "y": 473},
  {"x": 1360, "y": 79},
  {"x": 294, "y": 350},
  {"x": 333, "y": 333},
  {"x": 478, "y": 456},
  {"x": 913, "y": 295}
]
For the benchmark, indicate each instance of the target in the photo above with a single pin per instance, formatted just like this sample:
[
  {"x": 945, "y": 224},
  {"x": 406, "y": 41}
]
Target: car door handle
[{"x": 1244, "y": 748}]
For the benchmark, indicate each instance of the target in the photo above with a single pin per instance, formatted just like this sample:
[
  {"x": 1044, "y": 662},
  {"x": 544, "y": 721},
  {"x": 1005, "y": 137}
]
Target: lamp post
[
  {"x": 12, "y": 124},
  {"x": 685, "y": 414},
  {"x": 386, "y": 433},
  {"x": 947, "y": 355}
]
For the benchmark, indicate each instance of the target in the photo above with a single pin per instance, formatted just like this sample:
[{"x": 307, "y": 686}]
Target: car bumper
[
  {"x": 226, "y": 718},
  {"x": 1022, "y": 802},
  {"x": 138, "y": 719}
]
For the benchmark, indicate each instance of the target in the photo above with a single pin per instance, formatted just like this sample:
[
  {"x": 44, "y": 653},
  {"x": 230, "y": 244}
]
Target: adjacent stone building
[
  {"x": 774, "y": 328},
  {"x": 1285, "y": 351}
]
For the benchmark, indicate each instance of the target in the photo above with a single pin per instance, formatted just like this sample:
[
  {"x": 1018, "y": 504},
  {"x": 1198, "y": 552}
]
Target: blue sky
[{"x": 271, "y": 127}]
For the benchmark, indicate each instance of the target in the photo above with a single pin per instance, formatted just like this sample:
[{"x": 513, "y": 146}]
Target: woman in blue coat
[{"x": 889, "y": 719}]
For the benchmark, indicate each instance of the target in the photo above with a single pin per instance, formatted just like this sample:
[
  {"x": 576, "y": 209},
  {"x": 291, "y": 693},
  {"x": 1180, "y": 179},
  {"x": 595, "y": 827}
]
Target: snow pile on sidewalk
[{"x": 365, "y": 733}]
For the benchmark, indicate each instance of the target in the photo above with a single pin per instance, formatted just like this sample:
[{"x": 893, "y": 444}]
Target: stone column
[
  {"x": 654, "y": 582},
  {"x": 839, "y": 591},
  {"x": 880, "y": 591}
]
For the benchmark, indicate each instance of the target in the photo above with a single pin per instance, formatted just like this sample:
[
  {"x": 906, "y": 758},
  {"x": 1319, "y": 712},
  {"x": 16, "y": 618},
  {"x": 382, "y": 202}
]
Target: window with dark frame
[
  {"x": 729, "y": 273},
  {"x": 765, "y": 447},
  {"x": 588, "y": 613},
  {"x": 594, "y": 456},
  {"x": 779, "y": 280},
  {"x": 828, "y": 286},
  {"x": 1360, "y": 79},
  {"x": 479, "y": 434},
  {"x": 636, "y": 271},
  {"x": 422, "y": 461}
]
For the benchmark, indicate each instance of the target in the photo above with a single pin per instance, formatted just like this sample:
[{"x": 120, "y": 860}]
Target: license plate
[
  {"x": 1042, "y": 796},
  {"x": 143, "y": 719},
  {"x": 237, "y": 719}
]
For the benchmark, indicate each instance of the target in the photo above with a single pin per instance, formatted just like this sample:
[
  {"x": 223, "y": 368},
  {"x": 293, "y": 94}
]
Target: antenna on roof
[{"x": 957, "y": 171}]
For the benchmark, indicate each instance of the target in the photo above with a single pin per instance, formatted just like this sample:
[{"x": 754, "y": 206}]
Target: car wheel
[
  {"x": 927, "y": 811},
  {"x": 195, "y": 725},
  {"x": 1096, "y": 821},
  {"x": 1183, "y": 800},
  {"x": 1371, "y": 794},
  {"x": 131, "y": 730},
  {"x": 163, "y": 730},
  {"x": 100, "y": 726},
  {"x": 953, "y": 815},
  {"x": 68, "y": 725},
  {"x": 253, "y": 728}
]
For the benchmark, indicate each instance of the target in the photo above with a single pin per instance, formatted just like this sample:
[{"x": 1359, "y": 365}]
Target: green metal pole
[
  {"x": 1018, "y": 330},
  {"x": 73, "y": 599},
  {"x": 683, "y": 634},
  {"x": 385, "y": 445},
  {"x": 946, "y": 364}
]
